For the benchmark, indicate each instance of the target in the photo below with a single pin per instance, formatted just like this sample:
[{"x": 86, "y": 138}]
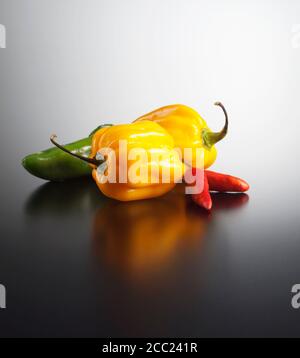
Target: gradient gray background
[{"x": 70, "y": 65}]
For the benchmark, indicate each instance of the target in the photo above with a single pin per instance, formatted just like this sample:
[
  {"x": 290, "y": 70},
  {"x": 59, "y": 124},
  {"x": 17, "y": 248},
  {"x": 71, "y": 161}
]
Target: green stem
[{"x": 210, "y": 138}]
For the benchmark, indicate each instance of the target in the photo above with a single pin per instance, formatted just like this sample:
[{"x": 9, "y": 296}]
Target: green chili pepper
[{"x": 56, "y": 165}]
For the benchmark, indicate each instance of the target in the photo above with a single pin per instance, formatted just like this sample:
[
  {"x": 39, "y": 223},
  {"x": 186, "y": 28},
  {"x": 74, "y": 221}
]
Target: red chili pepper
[
  {"x": 224, "y": 182},
  {"x": 203, "y": 199}
]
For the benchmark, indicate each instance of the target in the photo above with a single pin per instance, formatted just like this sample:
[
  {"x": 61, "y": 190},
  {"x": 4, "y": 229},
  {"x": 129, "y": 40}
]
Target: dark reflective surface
[
  {"x": 142, "y": 239},
  {"x": 66, "y": 198},
  {"x": 78, "y": 264}
]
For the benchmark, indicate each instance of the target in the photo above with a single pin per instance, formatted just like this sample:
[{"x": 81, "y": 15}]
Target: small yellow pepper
[
  {"x": 136, "y": 169},
  {"x": 189, "y": 130}
]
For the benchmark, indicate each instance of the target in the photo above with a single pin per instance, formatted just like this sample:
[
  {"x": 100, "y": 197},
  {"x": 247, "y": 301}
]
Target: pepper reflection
[
  {"x": 64, "y": 199},
  {"x": 142, "y": 236}
]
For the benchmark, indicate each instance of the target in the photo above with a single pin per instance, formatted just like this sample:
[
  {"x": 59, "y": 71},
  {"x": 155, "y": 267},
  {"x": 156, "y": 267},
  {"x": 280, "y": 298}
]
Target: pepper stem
[
  {"x": 93, "y": 161},
  {"x": 211, "y": 138}
]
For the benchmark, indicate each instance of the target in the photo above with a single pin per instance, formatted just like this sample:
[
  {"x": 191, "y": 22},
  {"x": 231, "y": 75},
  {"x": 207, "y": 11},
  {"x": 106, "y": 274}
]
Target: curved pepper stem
[
  {"x": 93, "y": 161},
  {"x": 211, "y": 138}
]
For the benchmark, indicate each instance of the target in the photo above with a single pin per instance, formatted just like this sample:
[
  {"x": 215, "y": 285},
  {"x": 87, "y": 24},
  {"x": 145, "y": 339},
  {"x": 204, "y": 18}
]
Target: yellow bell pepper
[
  {"x": 189, "y": 130},
  {"x": 136, "y": 169}
]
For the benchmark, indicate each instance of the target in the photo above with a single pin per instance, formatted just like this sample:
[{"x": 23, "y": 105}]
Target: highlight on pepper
[
  {"x": 144, "y": 159},
  {"x": 129, "y": 169}
]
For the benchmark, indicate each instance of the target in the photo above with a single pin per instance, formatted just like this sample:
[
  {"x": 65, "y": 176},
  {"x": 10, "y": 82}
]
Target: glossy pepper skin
[
  {"x": 203, "y": 199},
  {"x": 186, "y": 126},
  {"x": 226, "y": 183},
  {"x": 189, "y": 130},
  {"x": 145, "y": 137},
  {"x": 55, "y": 165},
  {"x": 150, "y": 137}
]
